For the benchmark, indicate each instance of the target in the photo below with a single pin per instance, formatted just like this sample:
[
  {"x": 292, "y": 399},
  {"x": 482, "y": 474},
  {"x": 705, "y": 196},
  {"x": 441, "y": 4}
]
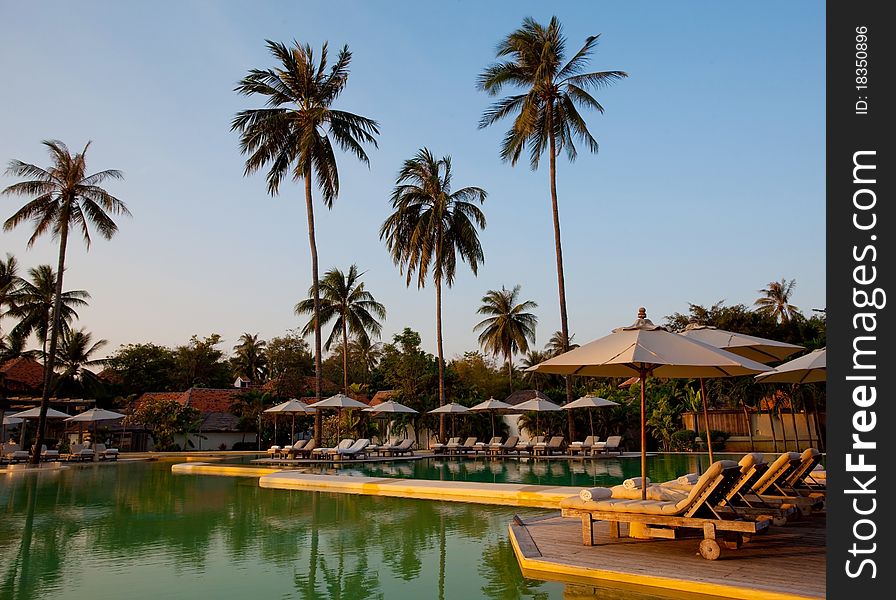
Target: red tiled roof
[
  {"x": 207, "y": 400},
  {"x": 152, "y": 396},
  {"x": 381, "y": 396},
  {"x": 22, "y": 374}
]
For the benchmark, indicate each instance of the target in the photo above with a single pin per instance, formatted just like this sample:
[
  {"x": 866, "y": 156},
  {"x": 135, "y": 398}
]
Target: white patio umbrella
[
  {"x": 645, "y": 349},
  {"x": 339, "y": 402},
  {"x": 452, "y": 408},
  {"x": 811, "y": 368},
  {"x": 389, "y": 407},
  {"x": 588, "y": 401},
  {"x": 291, "y": 406},
  {"x": 538, "y": 405},
  {"x": 34, "y": 413},
  {"x": 493, "y": 406},
  {"x": 94, "y": 415},
  {"x": 749, "y": 346}
]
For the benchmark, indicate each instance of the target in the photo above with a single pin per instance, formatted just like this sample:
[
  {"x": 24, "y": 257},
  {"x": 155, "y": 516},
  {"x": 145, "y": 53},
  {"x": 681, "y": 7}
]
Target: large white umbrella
[
  {"x": 493, "y": 406},
  {"x": 291, "y": 406},
  {"x": 94, "y": 415},
  {"x": 34, "y": 413},
  {"x": 389, "y": 407},
  {"x": 749, "y": 346},
  {"x": 340, "y": 401},
  {"x": 538, "y": 405},
  {"x": 811, "y": 368},
  {"x": 645, "y": 349},
  {"x": 452, "y": 408},
  {"x": 588, "y": 401}
]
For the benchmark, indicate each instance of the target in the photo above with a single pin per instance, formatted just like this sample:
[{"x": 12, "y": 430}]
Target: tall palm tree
[
  {"x": 63, "y": 197},
  {"x": 295, "y": 135},
  {"x": 776, "y": 301},
  {"x": 430, "y": 227},
  {"x": 10, "y": 282},
  {"x": 250, "y": 357},
  {"x": 546, "y": 113},
  {"x": 76, "y": 352},
  {"x": 355, "y": 310},
  {"x": 34, "y": 303},
  {"x": 509, "y": 328}
]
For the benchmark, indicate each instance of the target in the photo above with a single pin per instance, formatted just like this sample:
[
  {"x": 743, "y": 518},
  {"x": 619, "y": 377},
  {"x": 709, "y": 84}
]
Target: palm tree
[
  {"x": 12, "y": 345},
  {"x": 558, "y": 344},
  {"x": 429, "y": 228},
  {"x": 776, "y": 301},
  {"x": 547, "y": 114},
  {"x": 34, "y": 303},
  {"x": 366, "y": 353},
  {"x": 75, "y": 353},
  {"x": 509, "y": 328},
  {"x": 532, "y": 358},
  {"x": 10, "y": 282},
  {"x": 251, "y": 357},
  {"x": 63, "y": 197},
  {"x": 295, "y": 134},
  {"x": 355, "y": 310}
]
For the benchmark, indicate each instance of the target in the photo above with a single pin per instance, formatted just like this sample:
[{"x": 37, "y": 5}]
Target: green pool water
[
  {"x": 138, "y": 531},
  {"x": 580, "y": 473}
]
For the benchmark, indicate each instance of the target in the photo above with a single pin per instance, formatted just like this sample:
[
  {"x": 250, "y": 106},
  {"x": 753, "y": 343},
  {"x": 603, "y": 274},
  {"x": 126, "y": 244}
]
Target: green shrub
[
  {"x": 684, "y": 440},
  {"x": 718, "y": 439}
]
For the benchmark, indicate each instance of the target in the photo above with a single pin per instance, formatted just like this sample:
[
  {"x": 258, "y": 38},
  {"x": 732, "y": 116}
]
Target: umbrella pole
[
  {"x": 591, "y": 420},
  {"x": 706, "y": 421},
  {"x": 275, "y": 430},
  {"x": 292, "y": 433},
  {"x": 643, "y": 436},
  {"x": 493, "y": 422}
]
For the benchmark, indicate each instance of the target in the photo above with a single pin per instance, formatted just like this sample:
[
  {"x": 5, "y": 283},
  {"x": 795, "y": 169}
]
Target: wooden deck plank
[{"x": 785, "y": 563}]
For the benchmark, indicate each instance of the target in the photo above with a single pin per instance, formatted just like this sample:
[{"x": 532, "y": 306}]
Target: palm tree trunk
[
  {"x": 564, "y": 323},
  {"x": 796, "y": 434},
  {"x": 50, "y": 357},
  {"x": 771, "y": 423},
  {"x": 438, "y": 282},
  {"x": 509, "y": 356},
  {"x": 345, "y": 354},
  {"x": 309, "y": 206}
]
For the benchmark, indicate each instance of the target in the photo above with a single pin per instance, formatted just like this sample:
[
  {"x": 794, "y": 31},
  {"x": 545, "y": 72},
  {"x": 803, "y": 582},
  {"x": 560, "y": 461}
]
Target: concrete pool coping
[{"x": 504, "y": 494}]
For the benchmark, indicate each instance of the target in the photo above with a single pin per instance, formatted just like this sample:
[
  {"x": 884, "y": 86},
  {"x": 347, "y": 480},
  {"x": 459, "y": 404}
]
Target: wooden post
[{"x": 587, "y": 530}]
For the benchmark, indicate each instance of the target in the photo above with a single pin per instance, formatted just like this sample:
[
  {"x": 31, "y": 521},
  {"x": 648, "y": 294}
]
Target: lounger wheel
[
  {"x": 745, "y": 538},
  {"x": 710, "y": 549},
  {"x": 779, "y": 521}
]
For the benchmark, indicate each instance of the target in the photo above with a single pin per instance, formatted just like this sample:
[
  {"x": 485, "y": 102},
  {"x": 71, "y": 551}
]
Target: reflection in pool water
[
  {"x": 137, "y": 531},
  {"x": 577, "y": 472}
]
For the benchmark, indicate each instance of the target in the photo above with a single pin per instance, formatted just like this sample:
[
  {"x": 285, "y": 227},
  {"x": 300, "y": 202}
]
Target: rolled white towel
[
  {"x": 634, "y": 483},
  {"x": 598, "y": 493},
  {"x": 689, "y": 479}
]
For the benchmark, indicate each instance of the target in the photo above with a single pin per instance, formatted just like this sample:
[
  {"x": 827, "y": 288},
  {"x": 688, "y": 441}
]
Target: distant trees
[
  {"x": 775, "y": 301},
  {"x": 141, "y": 368},
  {"x": 250, "y": 358},
  {"x": 508, "y": 328},
  {"x": 164, "y": 419}
]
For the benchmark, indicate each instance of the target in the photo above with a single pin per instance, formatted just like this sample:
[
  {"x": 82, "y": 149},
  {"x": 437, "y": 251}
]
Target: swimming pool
[
  {"x": 574, "y": 472},
  {"x": 137, "y": 531}
]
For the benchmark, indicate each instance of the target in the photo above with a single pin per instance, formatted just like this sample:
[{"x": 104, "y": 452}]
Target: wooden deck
[{"x": 784, "y": 564}]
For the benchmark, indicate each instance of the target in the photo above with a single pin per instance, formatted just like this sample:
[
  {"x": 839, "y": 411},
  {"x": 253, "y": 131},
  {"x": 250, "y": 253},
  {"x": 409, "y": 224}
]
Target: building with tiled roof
[
  {"x": 381, "y": 396},
  {"x": 22, "y": 375},
  {"x": 520, "y": 396},
  {"x": 219, "y": 427}
]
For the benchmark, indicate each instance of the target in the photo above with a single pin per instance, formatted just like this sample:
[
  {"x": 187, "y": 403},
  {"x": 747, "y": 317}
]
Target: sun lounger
[
  {"x": 583, "y": 447},
  {"x": 439, "y": 448},
  {"x": 772, "y": 488},
  {"x": 611, "y": 445},
  {"x": 502, "y": 449},
  {"x": 469, "y": 445},
  {"x": 801, "y": 480},
  {"x": 662, "y": 519},
  {"x": 104, "y": 453},
  {"x": 48, "y": 454},
  {"x": 359, "y": 448},
  {"x": 405, "y": 447},
  {"x": 274, "y": 451},
  {"x": 306, "y": 450},
  {"x": 80, "y": 452},
  {"x": 556, "y": 444},
  {"x": 14, "y": 453},
  {"x": 326, "y": 452},
  {"x": 529, "y": 445},
  {"x": 292, "y": 451}
]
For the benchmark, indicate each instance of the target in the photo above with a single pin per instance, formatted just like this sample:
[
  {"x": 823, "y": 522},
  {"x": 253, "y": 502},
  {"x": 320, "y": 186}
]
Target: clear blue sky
[{"x": 709, "y": 182}]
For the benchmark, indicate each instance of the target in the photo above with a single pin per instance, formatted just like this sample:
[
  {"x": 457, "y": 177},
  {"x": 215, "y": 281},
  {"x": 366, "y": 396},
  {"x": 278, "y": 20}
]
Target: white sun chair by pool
[
  {"x": 325, "y": 452},
  {"x": 358, "y": 448},
  {"x": 583, "y": 447},
  {"x": 611, "y": 445},
  {"x": 508, "y": 446},
  {"x": 439, "y": 448},
  {"x": 293, "y": 450},
  {"x": 48, "y": 454},
  {"x": 80, "y": 452},
  {"x": 104, "y": 453},
  {"x": 406, "y": 446}
]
